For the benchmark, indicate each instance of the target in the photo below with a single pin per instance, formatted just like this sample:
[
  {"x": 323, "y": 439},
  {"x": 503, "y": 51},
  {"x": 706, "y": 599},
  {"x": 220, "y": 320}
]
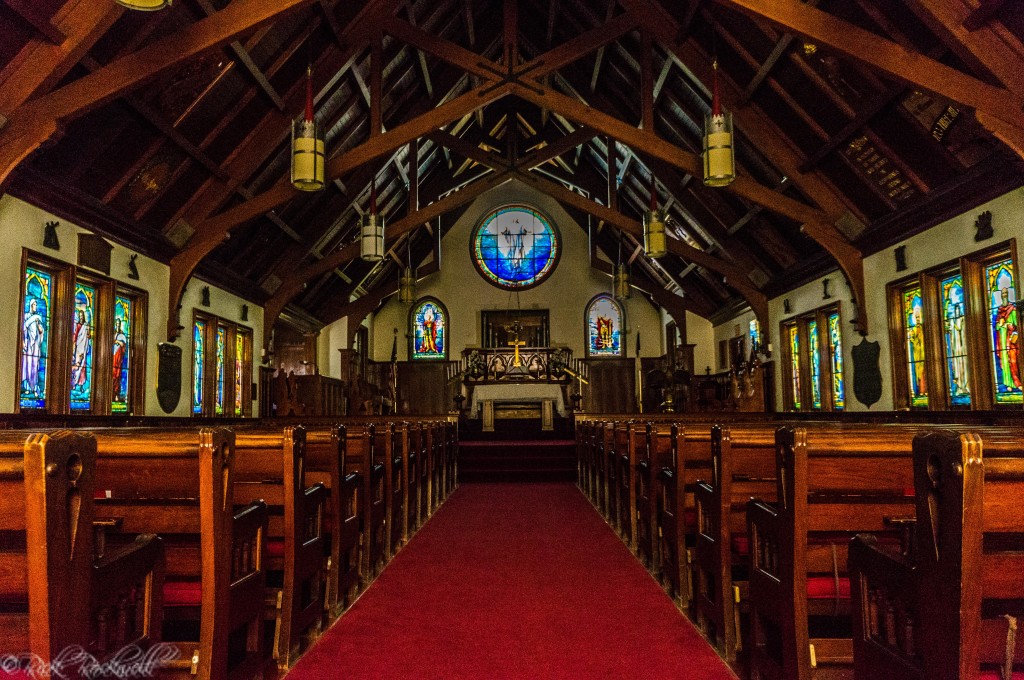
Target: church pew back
[{"x": 362, "y": 458}]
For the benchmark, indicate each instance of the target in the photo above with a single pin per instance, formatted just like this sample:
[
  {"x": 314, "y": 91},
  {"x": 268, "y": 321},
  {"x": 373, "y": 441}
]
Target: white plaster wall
[
  {"x": 737, "y": 326},
  {"x": 942, "y": 243},
  {"x": 333, "y": 337},
  {"x": 21, "y": 226},
  {"x": 700, "y": 333},
  {"x": 565, "y": 293}
]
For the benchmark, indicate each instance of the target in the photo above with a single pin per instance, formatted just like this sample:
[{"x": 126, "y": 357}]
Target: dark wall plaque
[
  {"x": 867, "y": 376},
  {"x": 168, "y": 382}
]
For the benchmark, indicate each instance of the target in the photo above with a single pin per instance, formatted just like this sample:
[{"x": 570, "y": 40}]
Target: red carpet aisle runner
[{"x": 513, "y": 581}]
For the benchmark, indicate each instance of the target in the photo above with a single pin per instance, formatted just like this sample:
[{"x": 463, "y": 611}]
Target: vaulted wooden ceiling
[{"x": 859, "y": 122}]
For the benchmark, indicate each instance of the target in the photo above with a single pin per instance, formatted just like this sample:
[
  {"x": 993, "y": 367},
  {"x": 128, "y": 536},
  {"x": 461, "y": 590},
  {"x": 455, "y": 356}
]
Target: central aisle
[{"x": 513, "y": 581}]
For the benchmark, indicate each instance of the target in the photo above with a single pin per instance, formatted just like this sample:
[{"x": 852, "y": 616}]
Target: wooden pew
[
  {"x": 831, "y": 484},
  {"x": 583, "y": 432},
  {"x": 453, "y": 455},
  {"x": 414, "y": 461},
  {"x": 325, "y": 463},
  {"x": 645, "y": 498},
  {"x": 438, "y": 447},
  {"x": 667, "y": 467},
  {"x": 362, "y": 458},
  {"x": 179, "y": 483},
  {"x": 270, "y": 465},
  {"x": 426, "y": 470},
  {"x": 390, "y": 439},
  {"x": 742, "y": 465},
  {"x": 53, "y": 593},
  {"x": 942, "y": 613},
  {"x": 609, "y": 462}
]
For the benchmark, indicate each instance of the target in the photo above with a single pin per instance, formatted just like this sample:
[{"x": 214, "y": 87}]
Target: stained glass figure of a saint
[
  {"x": 81, "y": 347},
  {"x": 604, "y": 327},
  {"x": 121, "y": 355},
  {"x": 815, "y": 352},
  {"x": 239, "y": 357},
  {"x": 198, "y": 367},
  {"x": 35, "y": 337},
  {"x": 429, "y": 331},
  {"x": 913, "y": 321},
  {"x": 794, "y": 364},
  {"x": 515, "y": 247},
  {"x": 1004, "y": 338},
  {"x": 835, "y": 344},
  {"x": 755, "y": 335},
  {"x": 222, "y": 345},
  {"x": 955, "y": 340}
]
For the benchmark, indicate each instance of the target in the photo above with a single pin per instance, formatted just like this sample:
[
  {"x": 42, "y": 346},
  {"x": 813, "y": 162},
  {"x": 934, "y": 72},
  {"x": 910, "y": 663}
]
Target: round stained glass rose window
[{"x": 515, "y": 247}]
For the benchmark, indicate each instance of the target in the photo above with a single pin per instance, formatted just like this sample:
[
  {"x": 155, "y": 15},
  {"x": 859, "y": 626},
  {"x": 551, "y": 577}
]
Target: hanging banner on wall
[
  {"x": 168, "y": 382},
  {"x": 867, "y": 376}
]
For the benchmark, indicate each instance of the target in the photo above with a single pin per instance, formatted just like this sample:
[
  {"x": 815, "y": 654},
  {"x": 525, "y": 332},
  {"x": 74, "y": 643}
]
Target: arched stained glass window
[
  {"x": 121, "y": 359},
  {"x": 1004, "y": 337},
  {"x": 913, "y": 322},
  {"x": 35, "y": 337},
  {"x": 604, "y": 327},
  {"x": 794, "y": 364},
  {"x": 835, "y": 342},
  {"x": 82, "y": 335},
  {"x": 955, "y": 340},
  {"x": 198, "y": 368},
  {"x": 815, "y": 348},
  {"x": 755, "y": 335},
  {"x": 239, "y": 371},
  {"x": 515, "y": 247},
  {"x": 429, "y": 320}
]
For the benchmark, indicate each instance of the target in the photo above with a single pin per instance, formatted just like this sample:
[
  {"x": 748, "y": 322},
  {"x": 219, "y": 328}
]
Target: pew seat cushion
[
  {"x": 690, "y": 518},
  {"x": 183, "y": 593},
  {"x": 275, "y": 547},
  {"x": 996, "y": 675},
  {"x": 824, "y": 587},
  {"x": 740, "y": 545}
]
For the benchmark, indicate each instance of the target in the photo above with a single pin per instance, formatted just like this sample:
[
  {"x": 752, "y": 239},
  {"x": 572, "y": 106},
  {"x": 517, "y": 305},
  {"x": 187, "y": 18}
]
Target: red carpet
[{"x": 513, "y": 581}]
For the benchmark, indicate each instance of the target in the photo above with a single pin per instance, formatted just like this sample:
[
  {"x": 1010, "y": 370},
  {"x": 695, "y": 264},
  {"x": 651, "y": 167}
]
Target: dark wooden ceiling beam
[
  {"x": 31, "y": 15},
  {"x": 982, "y": 14},
  {"x": 888, "y": 57},
  {"x": 39, "y": 119}
]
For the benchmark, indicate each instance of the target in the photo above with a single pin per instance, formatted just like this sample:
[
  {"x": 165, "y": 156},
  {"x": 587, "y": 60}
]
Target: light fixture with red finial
[
  {"x": 654, "y": 225},
  {"x": 719, "y": 155},
  {"x": 371, "y": 234},
  {"x": 144, "y": 5},
  {"x": 308, "y": 148}
]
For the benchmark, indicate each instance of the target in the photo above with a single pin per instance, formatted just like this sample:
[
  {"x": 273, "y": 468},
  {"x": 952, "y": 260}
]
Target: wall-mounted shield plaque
[
  {"x": 867, "y": 376},
  {"x": 168, "y": 382}
]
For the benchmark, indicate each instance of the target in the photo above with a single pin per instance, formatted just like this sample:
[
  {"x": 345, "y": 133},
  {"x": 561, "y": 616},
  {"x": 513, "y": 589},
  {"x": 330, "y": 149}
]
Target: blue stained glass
[
  {"x": 955, "y": 340},
  {"x": 604, "y": 327},
  {"x": 515, "y": 247},
  {"x": 35, "y": 338},
  {"x": 121, "y": 355},
  {"x": 913, "y": 318},
  {"x": 222, "y": 335},
  {"x": 239, "y": 370},
  {"x": 794, "y": 365},
  {"x": 835, "y": 342},
  {"x": 82, "y": 346},
  {"x": 430, "y": 331},
  {"x": 755, "y": 335},
  {"x": 815, "y": 345},
  {"x": 198, "y": 357}
]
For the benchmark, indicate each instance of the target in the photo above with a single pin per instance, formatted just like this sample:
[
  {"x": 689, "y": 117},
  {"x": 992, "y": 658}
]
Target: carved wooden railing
[
  {"x": 537, "y": 364},
  {"x": 308, "y": 395}
]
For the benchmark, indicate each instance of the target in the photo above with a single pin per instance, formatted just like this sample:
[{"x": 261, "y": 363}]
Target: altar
[{"x": 548, "y": 395}]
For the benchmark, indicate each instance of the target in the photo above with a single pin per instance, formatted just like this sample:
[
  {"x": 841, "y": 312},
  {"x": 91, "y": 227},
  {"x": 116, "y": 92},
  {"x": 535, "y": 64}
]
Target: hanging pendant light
[
  {"x": 144, "y": 5},
  {"x": 407, "y": 282},
  {"x": 622, "y": 287},
  {"x": 371, "y": 235},
  {"x": 308, "y": 149},
  {"x": 719, "y": 155},
  {"x": 654, "y": 225}
]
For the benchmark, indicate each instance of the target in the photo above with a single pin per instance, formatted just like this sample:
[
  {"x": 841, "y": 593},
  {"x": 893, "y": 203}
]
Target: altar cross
[{"x": 516, "y": 343}]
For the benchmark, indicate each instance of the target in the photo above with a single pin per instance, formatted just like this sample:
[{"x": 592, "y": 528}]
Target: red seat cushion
[
  {"x": 740, "y": 544},
  {"x": 183, "y": 593},
  {"x": 824, "y": 587},
  {"x": 275, "y": 547},
  {"x": 690, "y": 518},
  {"x": 995, "y": 675}
]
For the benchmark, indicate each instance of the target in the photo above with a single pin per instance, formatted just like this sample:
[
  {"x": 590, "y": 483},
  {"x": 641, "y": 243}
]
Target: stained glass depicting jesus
[
  {"x": 429, "y": 331},
  {"x": 35, "y": 338},
  {"x": 515, "y": 247},
  {"x": 1005, "y": 336}
]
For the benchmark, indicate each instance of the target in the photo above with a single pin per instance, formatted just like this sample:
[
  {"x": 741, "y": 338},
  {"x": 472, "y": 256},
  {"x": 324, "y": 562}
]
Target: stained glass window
[
  {"x": 239, "y": 371},
  {"x": 955, "y": 340},
  {"x": 835, "y": 342},
  {"x": 755, "y": 335},
  {"x": 198, "y": 367},
  {"x": 515, "y": 247},
  {"x": 1004, "y": 338},
  {"x": 82, "y": 334},
  {"x": 430, "y": 331},
  {"x": 913, "y": 321},
  {"x": 35, "y": 337},
  {"x": 604, "y": 327},
  {"x": 121, "y": 355},
  {"x": 815, "y": 354},
  {"x": 794, "y": 364},
  {"x": 222, "y": 346}
]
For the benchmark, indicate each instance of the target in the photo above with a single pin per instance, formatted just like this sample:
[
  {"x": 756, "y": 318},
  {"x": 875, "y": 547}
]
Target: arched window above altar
[
  {"x": 428, "y": 330},
  {"x": 604, "y": 320}
]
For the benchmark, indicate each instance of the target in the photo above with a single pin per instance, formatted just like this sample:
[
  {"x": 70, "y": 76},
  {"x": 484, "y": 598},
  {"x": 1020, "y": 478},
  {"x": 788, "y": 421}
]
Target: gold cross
[{"x": 516, "y": 343}]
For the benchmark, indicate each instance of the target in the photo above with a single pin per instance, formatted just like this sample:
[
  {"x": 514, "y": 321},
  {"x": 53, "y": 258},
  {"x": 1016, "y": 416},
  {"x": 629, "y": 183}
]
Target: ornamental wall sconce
[
  {"x": 826, "y": 294},
  {"x": 245, "y": 312},
  {"x": 900, "y": 253},
  {"x": 206, "y": 296},
  {"x": 785, "y": 306},
  {"x": 50, "y": 239},
  {"x": 133, "y": 269},
  {"x": 983, "y": 226}
]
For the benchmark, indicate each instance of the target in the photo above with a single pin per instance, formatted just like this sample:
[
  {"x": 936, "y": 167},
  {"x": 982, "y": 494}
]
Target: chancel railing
[{"x": 518, "y": 364}]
